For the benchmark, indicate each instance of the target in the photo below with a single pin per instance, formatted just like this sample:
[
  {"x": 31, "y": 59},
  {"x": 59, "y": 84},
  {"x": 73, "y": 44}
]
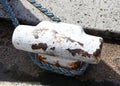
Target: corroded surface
[
  {"x": 41, "y": 58},
  {"x": 61, "y": 40},
  {"x": 79, "y": 51},
  {"x": 18, "y": 69},
  {"x": 39, "y": 46},
  {"x": 75, "y": 65}
]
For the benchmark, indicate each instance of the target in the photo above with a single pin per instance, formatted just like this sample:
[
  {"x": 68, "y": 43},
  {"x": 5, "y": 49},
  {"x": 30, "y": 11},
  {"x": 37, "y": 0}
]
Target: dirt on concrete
[{"x": 16, "y": 67}]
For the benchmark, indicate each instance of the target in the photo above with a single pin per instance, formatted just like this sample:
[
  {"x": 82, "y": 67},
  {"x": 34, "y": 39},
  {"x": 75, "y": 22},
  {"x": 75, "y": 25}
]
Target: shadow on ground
[
  {"x": 96, "y": 75},
  {"x": 53, "y": 79}
]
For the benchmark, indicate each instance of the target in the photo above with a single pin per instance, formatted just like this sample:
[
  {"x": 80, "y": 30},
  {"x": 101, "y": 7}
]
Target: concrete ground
[
  {"x": 99, "y": 17},
  {"x": 17, "y": 69}
]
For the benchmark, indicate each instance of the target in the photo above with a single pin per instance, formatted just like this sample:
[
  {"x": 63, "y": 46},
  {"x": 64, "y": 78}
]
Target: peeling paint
[
  {"x": 57, "y": 63},
  {"x": 41, "y": 58},
  {"x": 52, "y": 48},
  {"x": 39, "y": 46},
  {"x": 80, "y": 43},
  {"x": 75, "y": 65},
  {"x": 97, "y": 53},
  {"x": 69, "y": 39},
  {"x": 78, "y": 51},
  {"x": 58, "y": 40}
]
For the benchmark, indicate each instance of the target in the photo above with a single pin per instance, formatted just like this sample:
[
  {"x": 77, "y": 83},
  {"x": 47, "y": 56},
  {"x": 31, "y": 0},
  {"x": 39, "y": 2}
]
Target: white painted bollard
[{"x": 58, "y": 43}]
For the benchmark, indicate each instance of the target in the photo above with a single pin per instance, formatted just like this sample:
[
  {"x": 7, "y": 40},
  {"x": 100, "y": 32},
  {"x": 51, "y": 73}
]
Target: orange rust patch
[
  {"x": 57, "y": 63},
  {"x": 75, "y": 65},
  {"x": 41, "y": 58},
  {"x": 39, "y": 46},
  {"x": 97, "y": 53},
  {"x": 78, "y": 51}
]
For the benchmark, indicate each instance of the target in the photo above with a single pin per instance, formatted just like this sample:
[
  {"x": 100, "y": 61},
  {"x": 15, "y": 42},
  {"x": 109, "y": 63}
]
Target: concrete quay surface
[{"x": 98, "y": 17}]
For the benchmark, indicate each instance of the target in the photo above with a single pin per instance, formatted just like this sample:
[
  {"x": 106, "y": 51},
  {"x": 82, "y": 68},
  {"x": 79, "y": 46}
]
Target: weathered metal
[
  {"x": 64, "y": 62},
  {"x": 58, "y": 41}
]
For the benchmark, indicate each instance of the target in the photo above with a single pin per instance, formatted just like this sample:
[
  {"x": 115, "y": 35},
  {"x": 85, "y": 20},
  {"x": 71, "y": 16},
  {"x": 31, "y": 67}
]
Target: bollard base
[{"x": 60, "y": 70}]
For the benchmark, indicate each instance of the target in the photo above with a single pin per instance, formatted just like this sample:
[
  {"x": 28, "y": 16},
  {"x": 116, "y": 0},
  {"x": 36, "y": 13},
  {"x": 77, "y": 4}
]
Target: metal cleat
[{"x": 60, "y": 44}]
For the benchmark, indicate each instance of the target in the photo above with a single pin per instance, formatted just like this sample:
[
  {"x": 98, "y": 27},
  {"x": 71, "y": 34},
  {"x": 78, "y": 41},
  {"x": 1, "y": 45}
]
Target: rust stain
[
  {"x": 52, "y": 48},
  {"x": 101, "y": 41},
  {"x": 84, "y": 53},
  {"x": 80, "y": 43},
  {"x": 39, "y": 46},
  {"x": 75, "y": 65},
  {"x": 74, "y": 41},
  {"x": 41, "y": 58},
  {"x": 57, "y": 63},
  {"x": 97, "y": 53},
  {"x": 78, "y": 51}
]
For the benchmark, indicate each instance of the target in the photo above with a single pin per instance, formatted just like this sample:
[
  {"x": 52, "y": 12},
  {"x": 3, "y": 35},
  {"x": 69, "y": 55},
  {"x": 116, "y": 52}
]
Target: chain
[{"x": 44, "y": 10}]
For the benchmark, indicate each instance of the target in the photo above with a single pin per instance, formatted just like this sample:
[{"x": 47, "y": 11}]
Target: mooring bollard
[
  {"x": 58, "y": 42},
  {"x": 60, "y": 47}
]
